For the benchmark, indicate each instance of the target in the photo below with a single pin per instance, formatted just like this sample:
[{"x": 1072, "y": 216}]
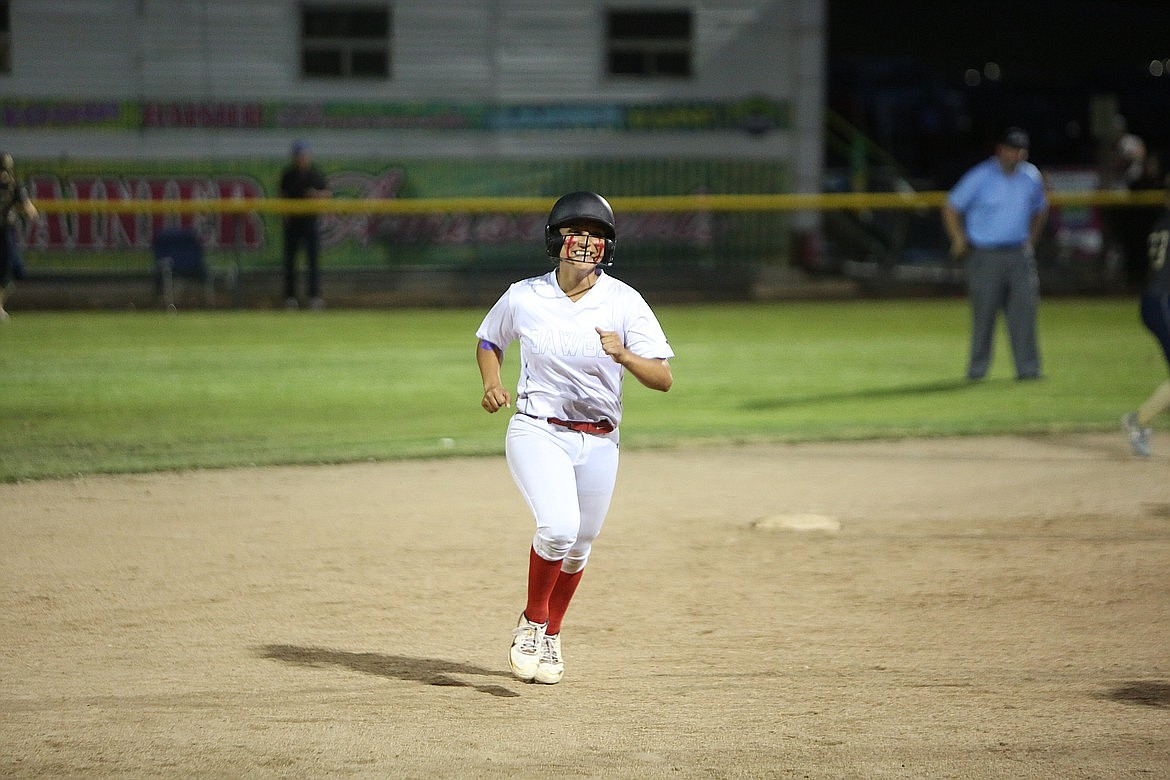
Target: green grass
[{"x": 126, "y": 392}]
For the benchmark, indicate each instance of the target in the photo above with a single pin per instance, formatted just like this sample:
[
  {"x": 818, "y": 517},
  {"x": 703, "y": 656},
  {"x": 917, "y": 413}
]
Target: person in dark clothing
[
  {"x": 15, "y": 207},
  {"x": 302, "y": 179},
  {"x": 1134, "y": 222},
  {"x": 1155, "y": 314}
]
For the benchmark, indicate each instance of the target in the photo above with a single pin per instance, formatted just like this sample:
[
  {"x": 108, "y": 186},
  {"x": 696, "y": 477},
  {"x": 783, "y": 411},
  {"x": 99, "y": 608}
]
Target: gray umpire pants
[{"x": 1003, "y": 279}]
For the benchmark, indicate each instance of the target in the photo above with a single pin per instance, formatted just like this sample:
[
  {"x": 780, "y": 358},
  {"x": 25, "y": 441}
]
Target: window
[
  {"x": 5, "y": 40},
  {"x": 345, "y": 42},
  {"x": 649, "y": 44}
]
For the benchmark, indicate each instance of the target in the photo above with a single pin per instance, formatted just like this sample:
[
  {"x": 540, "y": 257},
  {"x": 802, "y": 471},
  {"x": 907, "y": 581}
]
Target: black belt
[
  {"x": 581, "y": 426},
  {"x": 1000, "y": 247}
]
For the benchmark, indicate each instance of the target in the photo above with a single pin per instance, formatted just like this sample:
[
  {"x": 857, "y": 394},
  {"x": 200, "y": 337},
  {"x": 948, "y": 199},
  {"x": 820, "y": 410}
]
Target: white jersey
[{"x": 564, "y": 372}]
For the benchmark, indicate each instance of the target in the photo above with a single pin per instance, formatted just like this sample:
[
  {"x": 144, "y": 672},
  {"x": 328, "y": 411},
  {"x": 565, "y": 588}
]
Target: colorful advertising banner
[
  {"x": 109, "y": 239},
  {"x": 751, "y": 115}
]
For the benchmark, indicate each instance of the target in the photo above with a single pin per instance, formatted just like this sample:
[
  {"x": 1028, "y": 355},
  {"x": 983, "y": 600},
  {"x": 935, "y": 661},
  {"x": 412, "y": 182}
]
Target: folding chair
[{"x": 178, "y": 254}]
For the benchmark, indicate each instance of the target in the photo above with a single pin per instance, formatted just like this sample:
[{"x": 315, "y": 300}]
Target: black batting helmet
[{"x": 579, "y": 207}]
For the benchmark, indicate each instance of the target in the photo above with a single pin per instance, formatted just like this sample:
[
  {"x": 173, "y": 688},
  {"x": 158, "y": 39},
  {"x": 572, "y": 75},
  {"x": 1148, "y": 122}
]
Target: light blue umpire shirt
[{"x": 997, "y": 207}]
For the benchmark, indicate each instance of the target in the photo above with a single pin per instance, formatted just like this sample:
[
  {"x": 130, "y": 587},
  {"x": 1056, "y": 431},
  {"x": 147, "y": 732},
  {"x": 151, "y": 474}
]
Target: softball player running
[
  {"x": 580, "y": 331},
  {"x": 1155, "y": 313}
]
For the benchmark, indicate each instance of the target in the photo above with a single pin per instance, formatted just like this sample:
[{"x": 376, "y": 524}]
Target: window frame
[
  {"x": 5, "y": 38},
  {"x": 649, "y": 53},
  {"x": 345, "y": 48}
]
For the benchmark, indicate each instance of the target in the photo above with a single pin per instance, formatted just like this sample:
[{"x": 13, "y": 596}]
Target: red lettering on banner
[
  {"x": 190, "y": 115},
  {"x": 119, "y": 230},
  {"x": 50, "y": 228},
  {"x": 243, "y": 230},
  {"x": 109, "y": 230}
]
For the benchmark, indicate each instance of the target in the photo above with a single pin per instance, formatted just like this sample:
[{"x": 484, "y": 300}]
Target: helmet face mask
[{"x": 586, "y": 210}]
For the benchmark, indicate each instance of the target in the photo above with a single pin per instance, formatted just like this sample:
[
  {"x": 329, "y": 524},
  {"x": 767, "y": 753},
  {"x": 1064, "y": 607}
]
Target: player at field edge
[
  {"x": 1154, "y": 308},
  {"x": 580, "y": 330},
  {"x": 15, "y": 207},
  {"x": 301, "y": 178}
]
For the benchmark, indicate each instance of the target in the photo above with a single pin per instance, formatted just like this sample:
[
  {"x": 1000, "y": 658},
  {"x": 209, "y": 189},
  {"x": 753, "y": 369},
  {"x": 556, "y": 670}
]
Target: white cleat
[
  {"x": 552, "y": 665},
  {"x": 1139, "y": 437},
  {"x": 527, "y": 640}
]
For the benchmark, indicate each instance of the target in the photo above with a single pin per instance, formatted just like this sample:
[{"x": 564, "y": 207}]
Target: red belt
[{"x": 604, "y": 426}]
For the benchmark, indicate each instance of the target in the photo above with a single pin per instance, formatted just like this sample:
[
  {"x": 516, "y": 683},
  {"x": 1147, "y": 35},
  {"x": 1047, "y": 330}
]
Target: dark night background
[{"x": 899, "y": 71}]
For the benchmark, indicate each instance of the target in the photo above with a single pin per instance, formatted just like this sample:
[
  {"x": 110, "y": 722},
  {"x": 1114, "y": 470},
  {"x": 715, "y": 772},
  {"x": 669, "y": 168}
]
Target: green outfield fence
[
  {"x": 101, "y": 227},
  {"x": 784, "y": 202},
  {"x": 387, "y": 213}
]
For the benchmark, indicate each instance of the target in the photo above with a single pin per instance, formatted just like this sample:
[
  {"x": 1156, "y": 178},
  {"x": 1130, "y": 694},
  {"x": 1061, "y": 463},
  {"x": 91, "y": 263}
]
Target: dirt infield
[{"x": 946, "y": 608}]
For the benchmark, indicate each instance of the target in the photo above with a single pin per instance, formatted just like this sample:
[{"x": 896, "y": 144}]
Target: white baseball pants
[{"x": 567, "y": 478}]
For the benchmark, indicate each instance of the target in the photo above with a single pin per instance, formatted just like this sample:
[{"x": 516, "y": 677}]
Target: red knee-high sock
[
  {"x": 558, "y": 601},
  {"x": 542, "y": 577}
]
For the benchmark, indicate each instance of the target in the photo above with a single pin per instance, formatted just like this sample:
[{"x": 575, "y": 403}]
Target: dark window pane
[
  {"x": 345, "y": 23},
  {"x": 5, "y": 41},
  {"x": 370, "y": 24},
  {"x": 369, "y": 63},
  {"x": 622, "y": 63},
  {"x": 321, "y": 63},
  {"x": 672, "y": 63},
  {"x": 649, "y": 24},
  {"x": 319, "y": 24}
]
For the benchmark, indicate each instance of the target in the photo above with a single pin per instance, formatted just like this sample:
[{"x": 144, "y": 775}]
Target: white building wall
[
  {"x": 71, "y": 49},
  {"x": 510, "y": 50},
  {"x": 459, "y": 51}
]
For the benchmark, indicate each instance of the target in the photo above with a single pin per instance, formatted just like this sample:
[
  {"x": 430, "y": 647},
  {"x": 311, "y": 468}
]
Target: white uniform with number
[{"x": 568, "y": 477}]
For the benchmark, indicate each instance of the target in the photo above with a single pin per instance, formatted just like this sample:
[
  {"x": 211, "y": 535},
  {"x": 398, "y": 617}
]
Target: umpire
[{"x": 994, "y": 216}]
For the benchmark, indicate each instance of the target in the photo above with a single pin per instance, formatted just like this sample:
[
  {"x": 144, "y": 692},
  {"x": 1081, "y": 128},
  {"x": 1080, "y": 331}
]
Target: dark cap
[
  {"x": 1016, "y": 137},
  {"x": 300, "y": 146}
]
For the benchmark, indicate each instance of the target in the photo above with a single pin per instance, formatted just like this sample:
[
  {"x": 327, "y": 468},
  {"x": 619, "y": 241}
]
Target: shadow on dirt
[
  {"x": 428, "y": 671},
  {"x": 1147, "y": 692}
]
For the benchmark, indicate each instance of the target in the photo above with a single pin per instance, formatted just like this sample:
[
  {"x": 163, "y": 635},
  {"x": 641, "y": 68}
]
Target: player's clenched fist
[
  {"x": 495, "y": 398},
  {"x": 651, "y": 372},
  {"x": 611, "y": 343}
]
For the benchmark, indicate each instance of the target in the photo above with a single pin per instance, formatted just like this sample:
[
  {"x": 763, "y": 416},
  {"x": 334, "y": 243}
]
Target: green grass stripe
[{"x": 84, "y": 392}]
